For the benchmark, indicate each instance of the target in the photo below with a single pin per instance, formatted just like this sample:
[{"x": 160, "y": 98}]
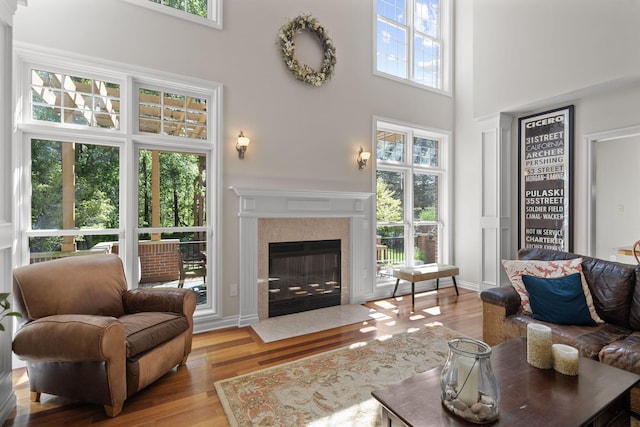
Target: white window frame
[
  {"x": 214, "y": 9},
  {"x": 444, "y": 173},
  {"x": 446, "y": 48},
  {"x": 129, "y": 140}
]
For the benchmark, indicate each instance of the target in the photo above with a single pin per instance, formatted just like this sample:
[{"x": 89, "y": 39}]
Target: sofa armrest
[
  {"x": 505, "y": 296},
  {"x": 174, "y": 300},
  {"x": 497, "y": 304},
  {"x": 70, "y": 338}
]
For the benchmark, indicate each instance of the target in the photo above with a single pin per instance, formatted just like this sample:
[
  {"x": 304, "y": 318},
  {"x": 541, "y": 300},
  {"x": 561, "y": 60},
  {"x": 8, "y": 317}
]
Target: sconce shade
[
  {"x": 243, "y": 141},
  {"x": 363, "y": 158},
  {"x": 242, "y": 144}
]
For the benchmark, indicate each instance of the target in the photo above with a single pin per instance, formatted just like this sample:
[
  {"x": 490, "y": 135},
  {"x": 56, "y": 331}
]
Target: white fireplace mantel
[{"x": 271, "y": 203}]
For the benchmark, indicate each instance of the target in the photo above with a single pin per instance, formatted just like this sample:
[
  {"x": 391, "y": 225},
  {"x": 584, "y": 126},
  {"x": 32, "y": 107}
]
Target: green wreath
[{"x": 303, "y": 71}]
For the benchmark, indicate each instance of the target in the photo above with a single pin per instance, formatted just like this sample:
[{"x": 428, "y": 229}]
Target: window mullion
[{"x": 410, "y": 7}]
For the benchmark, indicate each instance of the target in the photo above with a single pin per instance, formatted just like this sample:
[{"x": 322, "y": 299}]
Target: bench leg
[
  {"x": 395, "y": 289},
  {"x": 437, "y": 283},
  {"x": 455, "y": 284},
  {"x": 413, "y": 296}
]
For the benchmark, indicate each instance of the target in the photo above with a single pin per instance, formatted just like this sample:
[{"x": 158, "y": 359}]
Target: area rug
[
  {"x": 332, "y": 388},
  {"x": 307, "y": 322}
]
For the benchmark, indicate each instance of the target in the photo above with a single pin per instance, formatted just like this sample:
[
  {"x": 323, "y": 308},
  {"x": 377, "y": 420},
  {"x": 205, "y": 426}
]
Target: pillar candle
[
  {"x": 539, "y": 346},
  {"x": 565, "y": 359},
  {"x": 467, "y": 380}
]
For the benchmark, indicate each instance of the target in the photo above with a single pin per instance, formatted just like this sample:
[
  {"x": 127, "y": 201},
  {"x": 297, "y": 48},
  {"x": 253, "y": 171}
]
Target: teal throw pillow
[{"x": 558, "y": 300}]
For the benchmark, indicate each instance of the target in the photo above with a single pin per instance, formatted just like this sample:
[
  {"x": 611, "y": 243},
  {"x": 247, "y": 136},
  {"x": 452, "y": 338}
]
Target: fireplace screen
[{"x": 303, "y": 276}]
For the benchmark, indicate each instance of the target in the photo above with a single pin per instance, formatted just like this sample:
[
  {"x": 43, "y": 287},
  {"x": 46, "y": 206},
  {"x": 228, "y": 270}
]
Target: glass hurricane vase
[{"x": 469, "y": 387}]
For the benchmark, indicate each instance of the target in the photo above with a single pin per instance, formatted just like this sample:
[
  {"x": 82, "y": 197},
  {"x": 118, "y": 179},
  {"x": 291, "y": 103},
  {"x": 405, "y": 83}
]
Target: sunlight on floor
[
  {"x": 385, "y": 305},
  {"x": 434, "y": 311},
  {"x": 23, "y": 379},
  {"x": 379, "y": 316},
  {"x": 347, "y": 415},
  {"x": 416, "y": 317},
  {"x": 358, "y": 344}
]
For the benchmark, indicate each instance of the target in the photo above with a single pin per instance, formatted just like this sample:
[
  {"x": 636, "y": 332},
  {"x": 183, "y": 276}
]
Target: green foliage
[
  {"x": 388, "y": 207},
  {"x": 6, "y": 306},
  {"x": 428, "y": 214},
  {"x": 181, "y": 186}
]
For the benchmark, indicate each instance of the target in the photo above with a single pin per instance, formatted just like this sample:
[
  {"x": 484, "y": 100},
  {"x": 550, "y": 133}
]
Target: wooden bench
[{"x": 424, "y": 272}]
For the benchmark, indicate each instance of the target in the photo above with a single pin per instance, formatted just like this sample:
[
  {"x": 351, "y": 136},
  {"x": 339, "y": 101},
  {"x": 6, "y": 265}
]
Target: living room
[{"x": 511, "y": 59}]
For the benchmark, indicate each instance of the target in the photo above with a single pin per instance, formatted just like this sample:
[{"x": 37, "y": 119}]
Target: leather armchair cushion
[
  {"x": 147, "y": 330},
  {"x": 95, "y": 287},
  {"x": 69, "y": 338}
]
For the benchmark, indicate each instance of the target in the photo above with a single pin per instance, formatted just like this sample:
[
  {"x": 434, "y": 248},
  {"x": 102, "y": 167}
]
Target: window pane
[
  {"x": 390, "y": 146},
  {"x": 74, "y": 100},
  {"x": 174, "y": 260},
  {"x": 427, "y": 17},
  {"x": 172, "y": 114},
  {"x": 389, "y": 197},
  {"x": 425, "y": 151},
  {"x": 179, "y": 197},
  {"x": 74, "y": 185},
  {"x": 393, "y": 9},
  {"x": 197, "y": 7},
  {"x": 389, "y": 249},
  {"x": 176, "y": 4},
  {"x": 425, "y": 244},
  {"x": 425, "y": 197},
  {"x": 392, "y": 49},
  {"x": 48, "y": 248},
  {"x": 426, "y": 65}
]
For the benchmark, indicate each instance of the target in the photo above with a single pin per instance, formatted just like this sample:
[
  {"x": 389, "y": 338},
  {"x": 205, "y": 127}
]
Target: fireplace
[
  {"x": 303, "y": 275},
  {"x": 270, "y": 215}
]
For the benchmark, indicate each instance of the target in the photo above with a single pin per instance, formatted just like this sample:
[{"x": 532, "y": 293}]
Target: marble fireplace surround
[{"x": 267, "y": 215}]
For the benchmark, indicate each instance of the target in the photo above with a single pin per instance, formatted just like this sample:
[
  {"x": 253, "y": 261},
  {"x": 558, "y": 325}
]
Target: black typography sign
[{"x": 546, "y": 152}]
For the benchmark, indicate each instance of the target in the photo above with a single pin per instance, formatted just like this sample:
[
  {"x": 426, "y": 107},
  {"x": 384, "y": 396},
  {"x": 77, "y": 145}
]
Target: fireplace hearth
[{"x": 303, "y": 276}]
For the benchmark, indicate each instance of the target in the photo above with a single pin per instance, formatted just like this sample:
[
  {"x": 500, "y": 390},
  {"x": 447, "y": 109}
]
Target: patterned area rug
[{"x": 332, "y": 388}]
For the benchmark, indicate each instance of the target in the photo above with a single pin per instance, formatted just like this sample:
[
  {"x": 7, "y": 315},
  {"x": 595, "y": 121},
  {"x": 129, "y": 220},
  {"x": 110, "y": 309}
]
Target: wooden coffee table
[{"x": 598, "y": 396}]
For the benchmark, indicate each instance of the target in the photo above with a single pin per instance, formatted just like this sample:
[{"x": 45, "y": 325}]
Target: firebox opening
[{"x": 303, "y": 276}]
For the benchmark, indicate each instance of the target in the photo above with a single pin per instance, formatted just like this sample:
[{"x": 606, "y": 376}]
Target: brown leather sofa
[
  {"x": 615, "y": 289},
  {"x": 87, "y": 337}
]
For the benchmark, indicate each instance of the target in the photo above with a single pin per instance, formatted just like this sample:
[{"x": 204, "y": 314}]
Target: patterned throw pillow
[{"x": 546, "y": 269}]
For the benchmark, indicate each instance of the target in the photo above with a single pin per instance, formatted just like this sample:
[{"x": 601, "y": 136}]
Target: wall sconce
[
  {"x": 363, "y": 158},
  {"x": 242, "y": 144}
]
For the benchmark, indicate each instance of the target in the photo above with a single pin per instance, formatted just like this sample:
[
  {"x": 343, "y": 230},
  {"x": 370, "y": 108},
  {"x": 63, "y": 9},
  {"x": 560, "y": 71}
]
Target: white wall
[
  {"x": 467, "y": 151},
  {"x": 530, "y": 51},
  {"x": 529, "y": 56},
  {"x": 302, "y": 137}
]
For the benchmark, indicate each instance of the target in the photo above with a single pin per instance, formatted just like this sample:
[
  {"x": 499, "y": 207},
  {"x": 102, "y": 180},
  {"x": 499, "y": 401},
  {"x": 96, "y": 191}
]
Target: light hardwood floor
[{"x": 187, "y": 397}]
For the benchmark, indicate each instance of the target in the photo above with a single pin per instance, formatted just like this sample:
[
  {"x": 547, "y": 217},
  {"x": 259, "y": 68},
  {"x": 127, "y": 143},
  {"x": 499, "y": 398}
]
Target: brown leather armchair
[{"x": 86, "y": 337}]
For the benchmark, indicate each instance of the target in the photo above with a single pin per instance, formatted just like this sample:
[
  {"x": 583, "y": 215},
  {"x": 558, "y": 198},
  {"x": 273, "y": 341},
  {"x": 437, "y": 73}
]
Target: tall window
[
  {"x": 412, "y": 41},
  {"x": 207, "y": 12},
  {"x": 87, "y": 137},
  {"x": 411, "y": 197}
]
